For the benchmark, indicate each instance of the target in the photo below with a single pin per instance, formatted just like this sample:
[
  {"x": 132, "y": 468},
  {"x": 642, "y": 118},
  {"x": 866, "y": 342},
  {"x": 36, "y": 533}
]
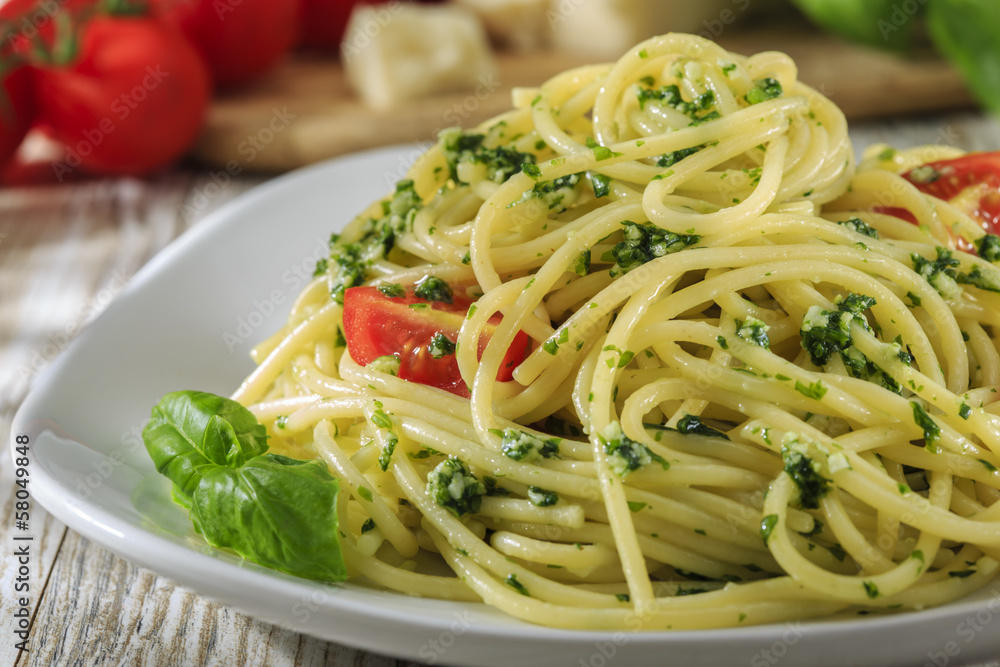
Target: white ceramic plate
[{"x": 187, "y": 321}]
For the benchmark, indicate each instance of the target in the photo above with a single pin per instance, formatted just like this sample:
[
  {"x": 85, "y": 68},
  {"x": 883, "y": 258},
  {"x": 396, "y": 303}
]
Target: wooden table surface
[{"x": 65, "y": 252}]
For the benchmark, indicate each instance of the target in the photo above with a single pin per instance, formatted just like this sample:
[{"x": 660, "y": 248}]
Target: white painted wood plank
[{"x": 101, "y": 609}]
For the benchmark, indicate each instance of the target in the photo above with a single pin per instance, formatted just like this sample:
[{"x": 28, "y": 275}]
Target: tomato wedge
[
  {"x": 971, "y": 183},
  {"x": 377, "y": 325}
]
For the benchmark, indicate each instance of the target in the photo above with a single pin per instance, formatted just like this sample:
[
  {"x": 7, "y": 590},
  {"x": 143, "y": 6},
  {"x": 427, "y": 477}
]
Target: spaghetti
[{"x": 747, "y": 379}]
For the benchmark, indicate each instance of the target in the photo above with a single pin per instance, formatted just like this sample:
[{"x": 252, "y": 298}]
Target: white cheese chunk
[{"x": 398, "y": 52}]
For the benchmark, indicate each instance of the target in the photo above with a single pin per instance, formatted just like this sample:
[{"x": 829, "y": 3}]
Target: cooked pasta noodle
[{"x": 747, "y": 379}]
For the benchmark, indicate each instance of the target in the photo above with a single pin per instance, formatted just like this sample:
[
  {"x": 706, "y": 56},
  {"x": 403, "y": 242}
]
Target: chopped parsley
[
  {"x": 551, "y": 193},
  {"x": 939, "y": 272},
  {"x": 551, "y": 345},
  {"x": 624, "y": 454},
  {"x": 512, "y": 581},
  {"x": 943, "y": 276},
  {"x": 754, "y": 331},
  {"x": 814, "y": 390},
  {"x": 670, "y": 96},
  {"x": 600, "y": 183},
  {"x": 825, "y": 332},
  {"x": 860, "y": 226},
  {"x": 432, "y": 288},
  {"x": 988, "y": 279},
  {"x": 753, "y": 174},
  {"x": 923, "y": 174},
  {"x": 767, "y": 525},
  {"x": 691, "y": 424},
  {"x": 601, "y": 152},
  {"x": 644, "y": 243},
  {"x": 541, "y": 497},
  {"x": 493, "y": 488},
  {"x": 806, "y": 474},
  {"x": 501, "y": 162},
  {"x": 440, "y": 346},
  {"x": 392, "y": 290},
  {"x": 523, "y": 446},
  {"x": 670, "y": 159},
  {"x": 349, "y": 263},
  {"x": 532, "y": 170},
  {"x": 763, "y": 90},
  {"x": 961, "y": 574},
  {"x": 382, "y": 420},
  {"x": 453, "y": 486},
  {"x": 988, "y": 247},
  {"x": 932, "y": 432}
]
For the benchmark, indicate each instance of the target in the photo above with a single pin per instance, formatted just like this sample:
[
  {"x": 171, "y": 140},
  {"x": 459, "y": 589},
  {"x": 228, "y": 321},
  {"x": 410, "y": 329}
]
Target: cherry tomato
[
  {"x": 17, "y": 109},
  {"x": 323, "y": 22},
  {"x": 32, "y": 24},
  {"x": 239, "y": 39},
  {"x": 132, "y": 100},
  {"x": 970, "y": 182},
  {"x": 377, "y": 325}
]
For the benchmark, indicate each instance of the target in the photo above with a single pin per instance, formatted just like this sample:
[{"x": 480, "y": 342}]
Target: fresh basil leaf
[
  {"x": 878, "y": 23},
  {"x": 275, "y": 511},
  {"x": 968, "y": 33},
  {"x": 189, "y": 429}
]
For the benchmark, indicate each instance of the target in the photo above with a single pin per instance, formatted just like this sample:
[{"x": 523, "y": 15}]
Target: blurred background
[
  {"x": 125, "y": 123},
  {"x": 130, "y": 87}
]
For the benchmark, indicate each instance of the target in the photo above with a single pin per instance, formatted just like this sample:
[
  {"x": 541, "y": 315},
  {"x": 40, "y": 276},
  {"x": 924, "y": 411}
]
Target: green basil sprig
[{"x": 273, "y": 510}]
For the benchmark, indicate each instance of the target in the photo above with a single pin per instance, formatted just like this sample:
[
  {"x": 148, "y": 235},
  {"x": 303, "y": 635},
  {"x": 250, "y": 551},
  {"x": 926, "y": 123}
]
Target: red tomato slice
[
  {"x": 376, "y": 325},
  {"x": 970, "y": 182}
]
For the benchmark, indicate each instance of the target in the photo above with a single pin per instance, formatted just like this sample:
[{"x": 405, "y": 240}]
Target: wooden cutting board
[{"x": 305, "y": 111}]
